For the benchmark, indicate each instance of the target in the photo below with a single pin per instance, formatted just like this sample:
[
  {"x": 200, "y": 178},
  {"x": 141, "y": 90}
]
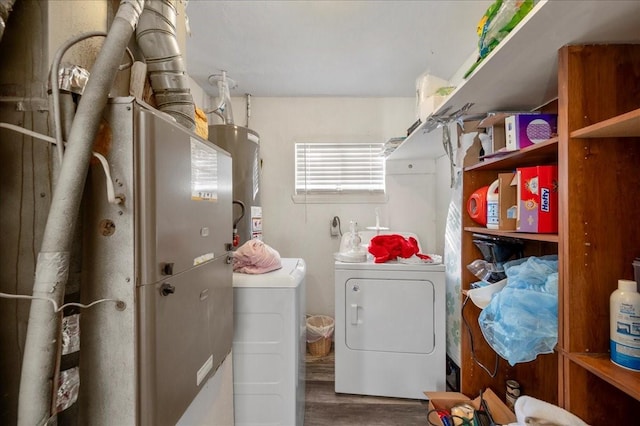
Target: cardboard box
[
  {"x": 537, "y": 199},
  {"x": 523, "y": 130},
  {"x": 507, "y": 201},
  {"x": 494, "y": 126},
  {"x": 471, "y": 155},
  {"x": 445, "y": 400}
]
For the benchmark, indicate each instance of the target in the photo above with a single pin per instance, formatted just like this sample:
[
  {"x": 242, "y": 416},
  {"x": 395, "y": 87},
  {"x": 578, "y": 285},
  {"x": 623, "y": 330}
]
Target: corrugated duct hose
[
  {"x": 52, "y": 266},
  {"x": 156, "y": 36}
]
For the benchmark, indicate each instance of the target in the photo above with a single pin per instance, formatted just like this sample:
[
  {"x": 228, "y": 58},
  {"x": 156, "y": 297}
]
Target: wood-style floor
[{"x": 323, "y": 407}]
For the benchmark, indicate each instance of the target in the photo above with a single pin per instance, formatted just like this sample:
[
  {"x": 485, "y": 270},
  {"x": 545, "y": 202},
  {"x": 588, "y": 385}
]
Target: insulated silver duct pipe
[
  {"x": 156, "y": 36},
  {"x": 52, "y": 268},
  {"x": 5, "y": 10}
]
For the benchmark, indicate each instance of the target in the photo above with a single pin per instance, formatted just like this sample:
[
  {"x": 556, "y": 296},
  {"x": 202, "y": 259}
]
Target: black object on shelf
[{"x": 414, "y": 126}]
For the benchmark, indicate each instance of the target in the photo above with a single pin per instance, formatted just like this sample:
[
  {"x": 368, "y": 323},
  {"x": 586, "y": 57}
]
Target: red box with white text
[{"x": 537, "y": 199}]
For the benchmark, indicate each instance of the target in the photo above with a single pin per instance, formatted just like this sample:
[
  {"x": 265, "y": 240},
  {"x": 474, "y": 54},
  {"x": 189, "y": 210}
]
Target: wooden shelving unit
[
  {"x": 598, "y": 156},
  {"x": 539, "y": 378},
  {"x": 599, "y": 169},
  {"x": 597, "y": 85}
]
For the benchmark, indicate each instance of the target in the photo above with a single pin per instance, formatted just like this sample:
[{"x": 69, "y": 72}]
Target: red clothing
[{"x": 390, "y": 247}]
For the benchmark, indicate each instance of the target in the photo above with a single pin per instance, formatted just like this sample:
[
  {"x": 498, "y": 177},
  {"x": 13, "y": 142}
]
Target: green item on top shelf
[
  {"x": 444, "y": 91},
  {"x": 498, "y": 21}
]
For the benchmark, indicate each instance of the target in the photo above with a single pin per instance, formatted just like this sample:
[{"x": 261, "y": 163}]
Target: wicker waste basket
[{"x": 319, "y": 333}]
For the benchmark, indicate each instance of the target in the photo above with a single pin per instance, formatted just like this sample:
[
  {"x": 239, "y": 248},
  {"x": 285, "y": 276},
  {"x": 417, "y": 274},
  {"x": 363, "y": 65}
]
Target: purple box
[{"x": 522, "y": 130}]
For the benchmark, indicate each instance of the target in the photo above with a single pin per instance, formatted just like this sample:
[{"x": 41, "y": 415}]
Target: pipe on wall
[
  {"x": 156, "y": 36},
  {"x": 52, "y": 268}
]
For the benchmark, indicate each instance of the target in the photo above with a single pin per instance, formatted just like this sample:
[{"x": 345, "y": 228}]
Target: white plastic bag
[{"x": 319, "y": 327}]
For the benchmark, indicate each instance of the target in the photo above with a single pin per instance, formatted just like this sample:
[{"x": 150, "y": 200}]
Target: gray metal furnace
[{"x": 164, "y": 252}]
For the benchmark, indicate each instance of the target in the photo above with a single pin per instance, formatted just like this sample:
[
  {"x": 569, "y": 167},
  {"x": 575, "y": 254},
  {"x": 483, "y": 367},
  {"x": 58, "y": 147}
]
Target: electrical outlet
[{"x": 334, "y": 226}]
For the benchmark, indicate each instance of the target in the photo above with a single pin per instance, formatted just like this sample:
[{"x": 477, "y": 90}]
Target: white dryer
[{"x": 389, "y": 329}]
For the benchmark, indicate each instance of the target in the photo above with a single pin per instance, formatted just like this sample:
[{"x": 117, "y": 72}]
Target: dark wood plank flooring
[{"x": 323, "y": 407}]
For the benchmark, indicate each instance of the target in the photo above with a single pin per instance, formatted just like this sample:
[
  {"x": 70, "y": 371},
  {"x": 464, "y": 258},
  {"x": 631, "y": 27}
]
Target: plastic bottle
[
  {"x": 493, "y": 214},
  {"x": 354, "y": 240},
  {"x": 624, "y": 307}
]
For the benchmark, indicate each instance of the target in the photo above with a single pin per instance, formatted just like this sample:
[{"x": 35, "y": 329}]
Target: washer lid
[{"x": 291, "y": 274}]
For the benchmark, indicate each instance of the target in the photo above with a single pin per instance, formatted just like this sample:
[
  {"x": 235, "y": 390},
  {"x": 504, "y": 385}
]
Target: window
[{"x": 339, "y": 168}]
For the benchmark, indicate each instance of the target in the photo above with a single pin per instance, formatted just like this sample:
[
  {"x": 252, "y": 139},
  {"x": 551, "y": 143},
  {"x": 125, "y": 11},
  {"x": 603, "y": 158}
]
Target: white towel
[{"x": 545, "y": 413}]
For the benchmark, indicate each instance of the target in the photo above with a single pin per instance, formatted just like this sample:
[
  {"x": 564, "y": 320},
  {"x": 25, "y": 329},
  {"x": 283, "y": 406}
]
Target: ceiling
[{"x": 329, "y": 48}]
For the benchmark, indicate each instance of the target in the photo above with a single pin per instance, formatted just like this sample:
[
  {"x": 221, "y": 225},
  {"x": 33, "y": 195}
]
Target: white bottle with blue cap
[{"x": 624, "y": 306}]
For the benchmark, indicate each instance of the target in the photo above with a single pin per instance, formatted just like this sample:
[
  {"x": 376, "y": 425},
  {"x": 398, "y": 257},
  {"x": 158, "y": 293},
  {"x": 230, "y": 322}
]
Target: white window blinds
[{"x": 339, "y": 168}]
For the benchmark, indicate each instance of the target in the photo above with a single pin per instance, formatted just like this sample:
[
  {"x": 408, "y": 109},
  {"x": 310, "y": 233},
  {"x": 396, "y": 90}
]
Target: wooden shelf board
[
  {"x": 624, "y": 125},
  {"x": 551, "y": 238},
  {"x": 541, "y": 153},
  {"x": 599, "y": 364}
]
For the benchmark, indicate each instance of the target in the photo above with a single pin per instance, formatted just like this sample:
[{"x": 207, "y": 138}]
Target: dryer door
[{"x": 389, "y": 315}]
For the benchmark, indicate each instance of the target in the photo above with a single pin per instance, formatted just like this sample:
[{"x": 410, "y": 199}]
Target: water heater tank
[{"x": 244, "y": 146}]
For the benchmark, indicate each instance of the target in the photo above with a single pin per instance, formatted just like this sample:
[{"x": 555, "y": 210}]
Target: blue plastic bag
[{"x": 521, "y": 321}]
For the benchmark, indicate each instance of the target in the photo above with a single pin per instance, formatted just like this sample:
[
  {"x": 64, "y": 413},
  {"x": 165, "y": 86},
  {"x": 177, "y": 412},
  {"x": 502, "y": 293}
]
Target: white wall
[{"x": 302, "y": 230}]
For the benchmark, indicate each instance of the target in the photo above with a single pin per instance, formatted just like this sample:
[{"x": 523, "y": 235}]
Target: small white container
[
  {"x": 493, "y": 214},
  {"x": 624, "y": 307}
]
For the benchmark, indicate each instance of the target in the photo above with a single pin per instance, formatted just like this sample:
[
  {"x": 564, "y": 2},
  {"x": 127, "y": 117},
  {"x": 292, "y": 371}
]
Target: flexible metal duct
[
  {"x": 156, "y": 36},
  {"x": 5, "y": 10},
  {"x": 52, "y": 267}
]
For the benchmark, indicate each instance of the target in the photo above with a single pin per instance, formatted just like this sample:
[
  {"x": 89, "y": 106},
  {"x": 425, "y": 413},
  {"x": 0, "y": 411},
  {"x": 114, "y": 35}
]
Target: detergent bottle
[
  {"x": 624, "y": 307},
  {"x": 477, "y": 205},
  {"x": 493, "y": 213}
]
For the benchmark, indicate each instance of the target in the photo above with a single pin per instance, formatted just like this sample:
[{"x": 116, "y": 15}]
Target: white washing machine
[
  {"x": 269, "y": 346},
  {"x": 389, "y": 328}
]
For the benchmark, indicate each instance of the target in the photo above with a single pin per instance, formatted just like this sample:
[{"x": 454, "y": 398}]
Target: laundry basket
[{"x": 319, "y": 332}]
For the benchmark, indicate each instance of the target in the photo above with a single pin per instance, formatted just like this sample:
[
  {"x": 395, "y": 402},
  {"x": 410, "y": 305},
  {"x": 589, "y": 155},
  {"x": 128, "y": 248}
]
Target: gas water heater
[{"x": 244, "y": 146}]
